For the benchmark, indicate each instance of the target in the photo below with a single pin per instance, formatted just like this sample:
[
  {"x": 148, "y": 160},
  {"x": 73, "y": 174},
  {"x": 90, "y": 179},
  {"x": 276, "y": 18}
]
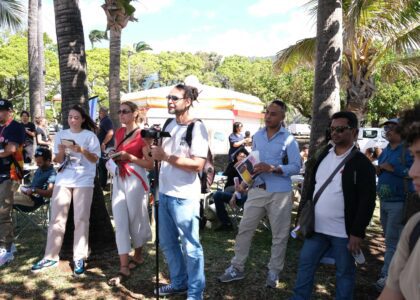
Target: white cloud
[
  {"x": 177, "y": 43},
  {"x": 264, "y": 8},
  {"x": 151, "y": 6},
  {"x": 195, "y": 13}
]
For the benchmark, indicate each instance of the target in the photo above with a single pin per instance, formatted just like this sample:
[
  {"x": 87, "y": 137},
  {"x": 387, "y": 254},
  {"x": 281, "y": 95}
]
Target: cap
[
  {"x": 5, "y": 104},
  {"x": 44, "y": 152},
  {"x": 391, "y": 121}
]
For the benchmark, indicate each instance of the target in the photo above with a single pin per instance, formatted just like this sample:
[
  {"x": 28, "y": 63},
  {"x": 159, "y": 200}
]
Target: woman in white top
[{"x": 77, "y": 149}]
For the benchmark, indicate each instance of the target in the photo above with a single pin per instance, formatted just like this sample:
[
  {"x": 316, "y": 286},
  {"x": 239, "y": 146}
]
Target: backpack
[{"x": 207, "y": 174}]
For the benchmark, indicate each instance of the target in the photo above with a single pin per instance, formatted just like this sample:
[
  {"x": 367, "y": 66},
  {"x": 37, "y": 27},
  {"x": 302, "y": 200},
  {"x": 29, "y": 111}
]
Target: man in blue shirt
[
  {"x": 106, "y": 140},
  {"x": 270, "y": 194},
  {"x": 42, "y": 184},
  {"x": 392, "y": 171}
]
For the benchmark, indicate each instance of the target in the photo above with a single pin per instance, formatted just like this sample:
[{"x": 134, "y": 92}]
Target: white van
[
  {"x": 299, "y": 129},
  {"x": 371, "y": 137}
]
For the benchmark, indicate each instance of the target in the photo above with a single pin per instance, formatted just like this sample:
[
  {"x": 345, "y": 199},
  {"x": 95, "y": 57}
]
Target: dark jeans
[
  {"x": 220, "y": 198},
  {"x": 311, "y": 253},
  {"x": 102, "y": 172}
]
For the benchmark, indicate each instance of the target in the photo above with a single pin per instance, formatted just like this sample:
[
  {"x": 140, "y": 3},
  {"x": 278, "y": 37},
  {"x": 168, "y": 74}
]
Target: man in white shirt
[
  {"x": 342, "y": 212},
  {"x": 179, "y": 194}
]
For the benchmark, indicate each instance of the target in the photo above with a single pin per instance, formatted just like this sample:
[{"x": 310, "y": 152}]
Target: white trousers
[{"x": 129, "y": 208}]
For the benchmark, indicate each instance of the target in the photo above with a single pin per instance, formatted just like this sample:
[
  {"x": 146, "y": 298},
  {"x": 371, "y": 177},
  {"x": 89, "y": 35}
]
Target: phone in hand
[
  {"x": 114, "y": 155},
  {"x": 68, "y": 142}
]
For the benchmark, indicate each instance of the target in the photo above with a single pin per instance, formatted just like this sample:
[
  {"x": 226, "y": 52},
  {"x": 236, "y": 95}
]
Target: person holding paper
[
  {"x": 269, "y": 194},
  {"x": 129, "y": 192},
  {"x": 77, "y": 149}
]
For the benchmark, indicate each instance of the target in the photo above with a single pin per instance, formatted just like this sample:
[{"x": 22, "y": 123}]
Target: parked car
[
  {"x": 371, "y": 137},
  {"x": 300, "y": 129}
]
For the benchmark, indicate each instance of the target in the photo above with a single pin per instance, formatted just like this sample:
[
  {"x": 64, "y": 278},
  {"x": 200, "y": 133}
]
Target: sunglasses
[
  {"x": 173, "y": 98},
  {"x": 339, "y": 129},
  {"x": 124, "y": 111},
  {"x": 389, "y": 127}
]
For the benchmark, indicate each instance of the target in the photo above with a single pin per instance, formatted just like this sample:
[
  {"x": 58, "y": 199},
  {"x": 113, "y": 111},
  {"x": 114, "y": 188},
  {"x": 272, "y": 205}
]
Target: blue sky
[{"x": 244, "y": 27}]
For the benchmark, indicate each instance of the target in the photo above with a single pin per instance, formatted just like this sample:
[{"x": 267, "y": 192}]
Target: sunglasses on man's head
[
  {"x": 389, "y": 127},
  {"x": 173, "y": 98},
  {"x": 339, "y": 129},
  {"x": 124, "y": 111}
]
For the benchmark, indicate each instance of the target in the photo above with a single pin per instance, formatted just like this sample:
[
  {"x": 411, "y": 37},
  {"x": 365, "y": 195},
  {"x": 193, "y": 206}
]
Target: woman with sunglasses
[
  {"x": 129, "y": 193},
  {"x": 77, "y": 149}
]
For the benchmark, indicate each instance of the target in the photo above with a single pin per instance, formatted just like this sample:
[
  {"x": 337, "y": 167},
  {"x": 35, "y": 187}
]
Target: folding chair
[{"x": 36, "y": 216}]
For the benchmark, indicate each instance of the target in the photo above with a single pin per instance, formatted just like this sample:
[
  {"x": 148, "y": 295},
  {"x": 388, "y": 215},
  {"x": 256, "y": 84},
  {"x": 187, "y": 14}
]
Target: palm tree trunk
[
  {"x": 72, "y": 56},
  {"x": 33, "y": 60},
  {"x": 359, "y": 93},
  {"x": 74, "y": 90},
  {"x": 114, "y": 75},
  {"x": 41, "y": 58},
  {"x": 326, "y": 100}
]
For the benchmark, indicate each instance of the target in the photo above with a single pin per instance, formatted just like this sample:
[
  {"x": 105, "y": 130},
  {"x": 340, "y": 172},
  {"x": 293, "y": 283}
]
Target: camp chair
[{"x": 36, "y": 216}]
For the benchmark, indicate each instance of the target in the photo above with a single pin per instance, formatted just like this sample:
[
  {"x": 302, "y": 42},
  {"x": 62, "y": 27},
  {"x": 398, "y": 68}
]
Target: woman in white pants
[
  {"x": 129, "y": 192},
  {"x": 77, "y": 149}
]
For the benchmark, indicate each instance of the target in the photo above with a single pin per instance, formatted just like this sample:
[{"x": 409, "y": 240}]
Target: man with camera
[
  {"x": 179, "y": 196},
  {"x": 270, "y": 194}
]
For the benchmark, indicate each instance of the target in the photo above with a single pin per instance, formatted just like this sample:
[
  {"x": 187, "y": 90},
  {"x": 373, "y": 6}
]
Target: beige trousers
[
  {"x": 6, "y": 207},
  {"x": 20, "y": 198},
  {"x": 60, "y": 205},
  {"x": 278, "y": 208}
]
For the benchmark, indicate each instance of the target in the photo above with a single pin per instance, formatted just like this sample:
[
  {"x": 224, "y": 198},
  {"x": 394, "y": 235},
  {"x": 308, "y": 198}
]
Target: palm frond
[
  {"x": 11, "y": 14},
  {"x": 303, "y": 52},
  {"x": 408, "y": 66}
]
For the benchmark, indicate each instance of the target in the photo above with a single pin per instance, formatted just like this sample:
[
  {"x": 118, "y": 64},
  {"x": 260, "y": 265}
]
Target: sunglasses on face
[
  {"x": 389, "y": 127},
  {"x": 124, "y": 111},
  {"x": 339, "y": 129},
  {"x": 173, "y": 98}
]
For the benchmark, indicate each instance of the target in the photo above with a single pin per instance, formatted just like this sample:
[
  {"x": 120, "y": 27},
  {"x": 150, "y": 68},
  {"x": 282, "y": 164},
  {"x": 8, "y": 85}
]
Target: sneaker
[
  {"x": 380, "y": 284},
  {"x": 168, "y": 289},
  {"x": 5, "y": 257},
  {"x": 231, "y": 274},
  {"x": 13, "y": 248},
  {"x": 79, "y": 267},
  {"x": 272, "y": 279},
  {"x": 44, "y": 264}
]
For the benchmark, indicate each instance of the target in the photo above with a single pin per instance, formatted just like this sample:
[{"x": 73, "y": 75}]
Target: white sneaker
[
  {"x": 272, "y": 279},
  {"x": 5, "y": 257}
]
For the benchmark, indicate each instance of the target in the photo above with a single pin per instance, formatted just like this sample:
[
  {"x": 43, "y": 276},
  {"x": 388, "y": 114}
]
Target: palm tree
[
  {"x": 141, "y": 46},
  {"x": 96, "y": 36},
  {"x": 372, "y": 29},
  {"x": 74, "y": 90},
  {"x": 118, "y": 13},
  {"x": 11, "y": 14}
]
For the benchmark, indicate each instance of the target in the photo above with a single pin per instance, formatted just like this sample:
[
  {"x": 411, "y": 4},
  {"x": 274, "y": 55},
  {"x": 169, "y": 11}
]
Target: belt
[{"x": 261, "y": 186}]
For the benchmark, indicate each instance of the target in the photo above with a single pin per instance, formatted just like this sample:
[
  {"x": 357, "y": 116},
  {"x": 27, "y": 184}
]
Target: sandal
[
  {"x": 133, "y": 264},
  {"x": 120, "y": 278}
]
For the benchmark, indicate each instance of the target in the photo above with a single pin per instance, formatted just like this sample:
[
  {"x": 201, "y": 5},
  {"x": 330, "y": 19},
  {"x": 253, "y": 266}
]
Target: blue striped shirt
[{"x": 273, "y": 151}]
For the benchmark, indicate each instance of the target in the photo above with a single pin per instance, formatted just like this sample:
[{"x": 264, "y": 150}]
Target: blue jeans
[
  {"x": 311, "y": 253},
  {"x": 220, "y": 198},
  {"x": 179, "y": 219},
  {"x": 391, "y": 218}
]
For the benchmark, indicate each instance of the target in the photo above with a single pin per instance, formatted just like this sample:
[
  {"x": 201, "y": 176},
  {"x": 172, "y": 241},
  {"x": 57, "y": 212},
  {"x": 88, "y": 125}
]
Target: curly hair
[{"x": 409, "y": 124}]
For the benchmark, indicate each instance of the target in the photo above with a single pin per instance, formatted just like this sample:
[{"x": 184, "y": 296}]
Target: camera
[{"x": 154, "y": 132}]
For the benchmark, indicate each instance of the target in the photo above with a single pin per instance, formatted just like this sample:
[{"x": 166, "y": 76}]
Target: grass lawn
[{"x": 17, "y": 282}]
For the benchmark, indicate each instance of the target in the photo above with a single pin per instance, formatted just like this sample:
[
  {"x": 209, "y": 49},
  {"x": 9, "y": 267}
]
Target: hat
[
  {"x": 5, "y": 104},
  {"x": 44, "y": 152},
  {"x": 391, "y": 121}
]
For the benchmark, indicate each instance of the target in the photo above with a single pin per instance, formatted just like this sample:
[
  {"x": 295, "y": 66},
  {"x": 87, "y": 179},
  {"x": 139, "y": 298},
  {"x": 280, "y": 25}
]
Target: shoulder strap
[
  {"x": 414, "y": 237},
  {"x": 167, "y": 123},
  {"x": 405, "y": 179},
  {"x": 188, "y": 137},
  {"x": 329, "y": 179},
  {"x": 126, "y": 137}
]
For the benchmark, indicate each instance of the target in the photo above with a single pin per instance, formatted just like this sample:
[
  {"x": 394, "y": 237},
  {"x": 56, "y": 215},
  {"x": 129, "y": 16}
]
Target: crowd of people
[{"x": 343, "y": 186}]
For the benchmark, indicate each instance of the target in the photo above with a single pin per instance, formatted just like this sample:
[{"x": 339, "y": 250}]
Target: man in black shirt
[
  {"x": 28, "y": 148},
  {"x": 106, "y": 139},
  {"x": 12, "y": 137}
]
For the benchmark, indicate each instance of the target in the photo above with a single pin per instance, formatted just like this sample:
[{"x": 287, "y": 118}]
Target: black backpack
[{"x": 207, "y": 174}]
